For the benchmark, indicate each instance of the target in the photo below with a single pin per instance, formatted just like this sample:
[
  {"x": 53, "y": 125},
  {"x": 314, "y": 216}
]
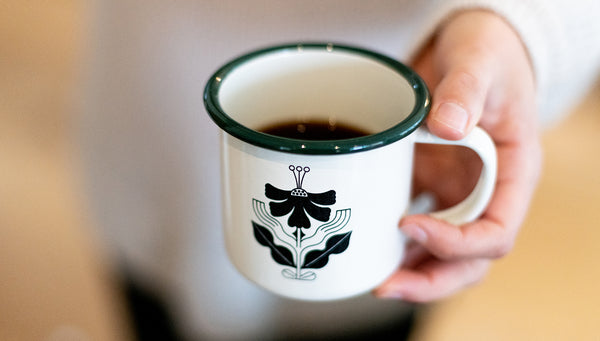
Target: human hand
[{"x": 480, "y": 74}]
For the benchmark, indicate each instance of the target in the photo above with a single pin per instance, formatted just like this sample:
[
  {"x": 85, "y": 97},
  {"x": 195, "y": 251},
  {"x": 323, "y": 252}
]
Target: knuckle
[
  {"x": 537, "y": 160},
  {"x": 467, "y": 80},
  {"x": 447, "y": 251},
  {"x": 478, "y": 280},
  {"x": 453, "y": 244},
  {"x": 502, "y": 249},
  {"x": 480, "y": 272}
]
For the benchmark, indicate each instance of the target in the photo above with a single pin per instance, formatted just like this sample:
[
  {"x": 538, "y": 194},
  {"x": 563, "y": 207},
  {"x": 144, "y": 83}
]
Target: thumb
[
  {"x": 459, "y": 99},
  {"x": 465, "y": 59}
]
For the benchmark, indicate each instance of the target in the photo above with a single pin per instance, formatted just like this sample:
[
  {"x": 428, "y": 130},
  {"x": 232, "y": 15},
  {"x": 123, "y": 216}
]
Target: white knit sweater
[
  {"x": 562, "y": 38},
  {"x": 152, "y": 153}
]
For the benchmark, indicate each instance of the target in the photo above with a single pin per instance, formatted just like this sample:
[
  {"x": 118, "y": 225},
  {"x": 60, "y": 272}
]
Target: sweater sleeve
[{"x": 562, "y": 38}]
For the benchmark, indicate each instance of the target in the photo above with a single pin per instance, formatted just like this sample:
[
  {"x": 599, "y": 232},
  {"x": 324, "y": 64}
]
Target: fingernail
[
  {"x": 387, "y": 291},
  {"x": 453, "y": 116},
  {"x": 389, "y": 294},
  {"x": 415, "y": 232}
]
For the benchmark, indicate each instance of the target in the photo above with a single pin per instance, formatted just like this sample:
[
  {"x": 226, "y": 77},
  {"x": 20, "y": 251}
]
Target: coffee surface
[{"x": 314, "y": 130}]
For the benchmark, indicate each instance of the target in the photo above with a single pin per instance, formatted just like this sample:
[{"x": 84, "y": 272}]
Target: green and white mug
[{"x": 318, "y": 219}]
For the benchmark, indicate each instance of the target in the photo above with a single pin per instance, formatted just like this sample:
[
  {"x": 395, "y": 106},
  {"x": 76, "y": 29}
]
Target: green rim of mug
[{"x": 328, "y": 147}]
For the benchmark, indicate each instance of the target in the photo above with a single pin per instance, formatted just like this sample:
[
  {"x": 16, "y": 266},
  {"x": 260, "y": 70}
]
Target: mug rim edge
[{"x": 319, "y": 147}]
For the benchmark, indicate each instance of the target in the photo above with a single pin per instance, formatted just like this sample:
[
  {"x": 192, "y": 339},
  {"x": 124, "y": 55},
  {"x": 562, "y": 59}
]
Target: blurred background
[{"x": 55, "y": 281}]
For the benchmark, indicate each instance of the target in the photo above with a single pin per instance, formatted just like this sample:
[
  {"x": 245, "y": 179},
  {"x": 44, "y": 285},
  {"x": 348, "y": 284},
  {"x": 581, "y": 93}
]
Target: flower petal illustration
[
  {"x": 317, "y": 212},
  {"x": 299, "y": 201},
  {"x": 325, "y": 198},
  {"x": 279, "y": 209},
  {"x": 298, "y": 218},
  {"x": 275, "y": 193}
]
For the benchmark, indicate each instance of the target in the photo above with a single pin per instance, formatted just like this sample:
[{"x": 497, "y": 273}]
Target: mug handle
[{"x": 470, "y": 208}]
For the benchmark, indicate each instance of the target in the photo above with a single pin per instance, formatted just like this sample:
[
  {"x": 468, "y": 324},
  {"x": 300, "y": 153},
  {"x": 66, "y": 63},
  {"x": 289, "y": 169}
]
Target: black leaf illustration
[
  {"x": 318, "y": 258},
  {"x": 280, "y": 254}
]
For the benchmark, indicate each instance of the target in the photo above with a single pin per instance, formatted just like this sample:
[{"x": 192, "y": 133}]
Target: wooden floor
[{"x": 55, "y": 285}]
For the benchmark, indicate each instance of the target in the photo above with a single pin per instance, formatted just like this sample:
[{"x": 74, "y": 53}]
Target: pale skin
[{"x": 479, "y": 73}]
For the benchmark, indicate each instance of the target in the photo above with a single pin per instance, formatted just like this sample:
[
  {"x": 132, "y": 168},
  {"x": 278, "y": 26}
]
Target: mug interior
[{"x": 321, "y": 82}]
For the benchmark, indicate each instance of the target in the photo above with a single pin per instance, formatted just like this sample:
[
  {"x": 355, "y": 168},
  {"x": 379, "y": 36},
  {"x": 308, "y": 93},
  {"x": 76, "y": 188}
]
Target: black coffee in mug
[{"x": 314, "y": 130}]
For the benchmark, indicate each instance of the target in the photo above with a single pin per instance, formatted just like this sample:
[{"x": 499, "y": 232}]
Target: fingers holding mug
[
  {"x": 445, "y": 258},
  {"x": 433, "y": 279}
]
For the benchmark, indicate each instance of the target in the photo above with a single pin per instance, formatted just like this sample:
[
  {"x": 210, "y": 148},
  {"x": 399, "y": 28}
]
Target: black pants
[{"x": 151, "y": 320}]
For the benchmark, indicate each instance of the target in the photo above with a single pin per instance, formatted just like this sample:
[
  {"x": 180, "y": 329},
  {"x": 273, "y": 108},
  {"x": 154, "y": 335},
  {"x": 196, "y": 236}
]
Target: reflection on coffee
[{"x": 314, "y": 130}]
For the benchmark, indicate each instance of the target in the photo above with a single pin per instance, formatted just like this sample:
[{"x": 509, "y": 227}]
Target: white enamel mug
[{"x": 318, "y": 220}]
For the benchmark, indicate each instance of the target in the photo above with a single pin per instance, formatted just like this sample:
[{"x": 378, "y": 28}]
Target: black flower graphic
[
  {"x": 297, "y": 251},
  {"x": 299, "y": 201}
]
